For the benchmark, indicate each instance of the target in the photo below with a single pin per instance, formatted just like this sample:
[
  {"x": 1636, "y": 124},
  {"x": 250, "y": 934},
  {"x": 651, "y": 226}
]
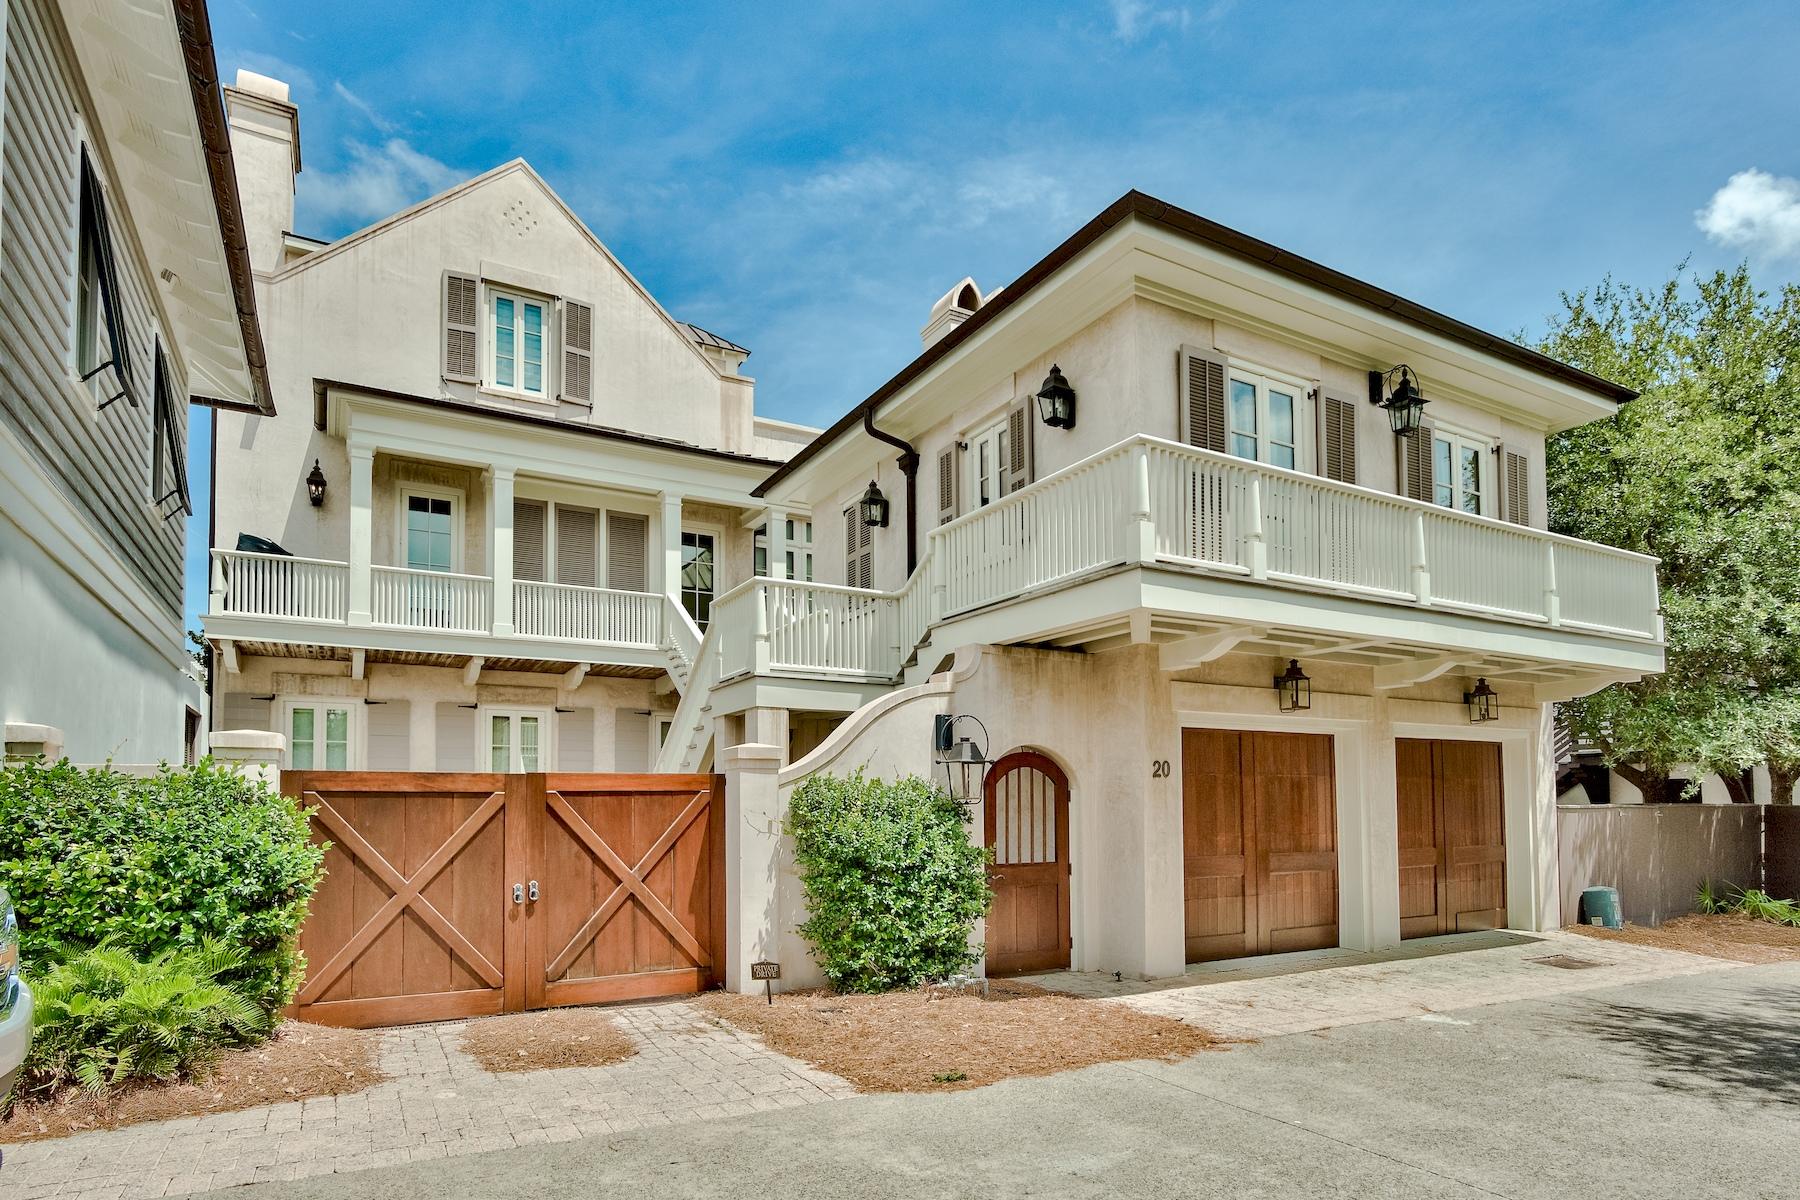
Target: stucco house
[
  {"x": 125, "y": 295},
  {"x": 501, "y": 488}
]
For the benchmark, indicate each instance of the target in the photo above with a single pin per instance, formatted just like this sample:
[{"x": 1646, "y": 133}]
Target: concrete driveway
[{"x": 1683, "y": 1086}]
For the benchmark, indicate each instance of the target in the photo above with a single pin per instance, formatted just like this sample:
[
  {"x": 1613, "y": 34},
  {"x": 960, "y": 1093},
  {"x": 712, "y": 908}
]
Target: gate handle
[
  {"x": 533, "y": 893},
  {"x": 518, "y": 893}
]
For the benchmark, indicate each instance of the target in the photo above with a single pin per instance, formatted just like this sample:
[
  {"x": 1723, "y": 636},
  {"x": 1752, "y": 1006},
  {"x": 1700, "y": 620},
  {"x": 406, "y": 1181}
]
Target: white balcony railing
[
  {"x": 278, "y": 585},
  {"x": 572, "y": 613},
  {"x": 436, "y": 600}
]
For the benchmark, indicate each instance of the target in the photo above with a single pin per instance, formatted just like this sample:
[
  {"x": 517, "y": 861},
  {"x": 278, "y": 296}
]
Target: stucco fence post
[
  {"x": 752, "y": 859},
  {"x": 26, "y": 742},
  {"x": 254, "y": 753}
]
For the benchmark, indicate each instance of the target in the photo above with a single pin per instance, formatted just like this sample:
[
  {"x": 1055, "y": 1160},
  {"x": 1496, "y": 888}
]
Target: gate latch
[
  {"x": 533, "y": 892},
  {"x": 518, "y": 893}
]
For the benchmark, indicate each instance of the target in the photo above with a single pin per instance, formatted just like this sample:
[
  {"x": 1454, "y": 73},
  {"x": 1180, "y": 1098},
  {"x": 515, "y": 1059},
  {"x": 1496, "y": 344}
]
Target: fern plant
[
  {"x": 1764, "y": 907},
  {"x": 1712, "y": 898},
  {"x": 105, "y": 1018}
]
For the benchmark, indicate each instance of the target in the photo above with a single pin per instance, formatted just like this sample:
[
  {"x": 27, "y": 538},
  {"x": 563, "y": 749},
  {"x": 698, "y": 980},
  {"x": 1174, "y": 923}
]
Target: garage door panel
[{"x": 1451, "y": 799}]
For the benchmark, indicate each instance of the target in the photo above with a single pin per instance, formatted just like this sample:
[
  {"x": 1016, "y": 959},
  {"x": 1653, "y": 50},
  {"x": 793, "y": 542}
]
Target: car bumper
[{"x": 15, "y": 1039}]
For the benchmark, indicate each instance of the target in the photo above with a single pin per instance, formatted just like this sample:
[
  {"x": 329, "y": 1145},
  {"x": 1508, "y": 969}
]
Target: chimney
[
  {"x": 265, "y": 145},
  {"x": 952, "y": 309}
]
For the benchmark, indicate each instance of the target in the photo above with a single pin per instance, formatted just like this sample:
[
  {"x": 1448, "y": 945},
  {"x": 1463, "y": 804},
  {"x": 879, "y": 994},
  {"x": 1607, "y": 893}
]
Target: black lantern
[
  {"x": 873, "y": 507},
  {"x": 1397, "y": 390},
  {"x": 315, "y": 485},
  {"x": 1483, "y": 702},
  {"x": 1056, "y": 400},
  {"x": 1293, "y": 689}
]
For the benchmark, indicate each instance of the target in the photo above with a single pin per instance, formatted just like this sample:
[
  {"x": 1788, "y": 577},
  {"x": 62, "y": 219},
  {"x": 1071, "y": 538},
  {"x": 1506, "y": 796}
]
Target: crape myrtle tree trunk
[{"x": 1703, "y": 471}]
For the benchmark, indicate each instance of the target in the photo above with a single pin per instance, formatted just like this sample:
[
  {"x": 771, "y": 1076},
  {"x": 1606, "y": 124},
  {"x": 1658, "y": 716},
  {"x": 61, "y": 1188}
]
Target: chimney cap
[{"x": 262, "y": 85}]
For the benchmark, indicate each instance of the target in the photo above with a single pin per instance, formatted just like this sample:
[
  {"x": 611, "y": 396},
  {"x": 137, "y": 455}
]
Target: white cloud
[
  {"x": 362, "y": 106},
  {"x": 376, "y": 182},
  {"x": 1136, "y": 19},
  {"x": 1755, "y": 211}
]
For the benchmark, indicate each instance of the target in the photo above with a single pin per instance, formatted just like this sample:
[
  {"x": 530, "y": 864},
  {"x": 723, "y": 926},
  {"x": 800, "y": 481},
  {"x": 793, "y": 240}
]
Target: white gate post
[
  {"x": 752, "y": 860},
  {"x": 255, "y": 753}
]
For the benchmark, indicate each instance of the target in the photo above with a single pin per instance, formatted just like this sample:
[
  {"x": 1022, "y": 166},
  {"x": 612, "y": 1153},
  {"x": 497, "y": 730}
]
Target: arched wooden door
[{"x": 1027, "y": 802}]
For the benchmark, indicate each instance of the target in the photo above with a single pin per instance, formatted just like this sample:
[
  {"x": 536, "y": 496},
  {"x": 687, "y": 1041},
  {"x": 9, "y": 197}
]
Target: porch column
[
  {"x": 362, "y": 533},
  {"x": 1369, "y": 867},
  {"x": 777, "y": 538},
  {"x": 500, "y": 546},
  {"x": 668, "y": 576},
  {"x": 753, "y": 864}
]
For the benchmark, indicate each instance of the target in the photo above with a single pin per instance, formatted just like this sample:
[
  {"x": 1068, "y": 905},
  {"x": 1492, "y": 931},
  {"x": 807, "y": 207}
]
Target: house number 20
[{"x": 1159, "y": 768}]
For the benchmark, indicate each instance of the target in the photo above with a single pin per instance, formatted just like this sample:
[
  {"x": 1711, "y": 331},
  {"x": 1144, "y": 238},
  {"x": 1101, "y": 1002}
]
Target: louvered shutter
[
  {"x": 388, "y": 726},
  {"x": 947, "y": 484},
  {"x": 1516, "y": 479},
  {"x": 1202, "y": 393},
  {"x": 1015, "y": 471},
  {"x": 575, "y": 739},
  {"x": 859, "y": 555},
  {"x": 528, "y": 539},
  {"x": 578, "y": 352},
  {"x": 455, "y": 745},
  {"x": 1417, "y": 480},
  {"x": 631, "y": 740},
  {"x": 240, "y": 711},
  {"x": 461, "y": 361},
  {"x": 1337, "y": 458},
  {"x": 575, "y": 537},
  {"x": 627, "y": 540}
]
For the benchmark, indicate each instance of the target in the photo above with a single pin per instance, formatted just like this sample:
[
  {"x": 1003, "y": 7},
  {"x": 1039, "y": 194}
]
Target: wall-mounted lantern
[
  {"x": 1397, "y": 391},
  {"x": 1056, "y": 400},
  {"x": 964, "y": 759},
  {"x": 315, "y": 485},
  {"x": 1293, "y": 689},
  {"x": 1483, "y": 702},
  {"x": 873, "y": 507}
]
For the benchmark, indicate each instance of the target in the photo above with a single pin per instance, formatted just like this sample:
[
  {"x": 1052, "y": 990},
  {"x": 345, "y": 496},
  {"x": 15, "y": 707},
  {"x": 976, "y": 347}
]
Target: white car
[{"x": 15, "y": 1001}]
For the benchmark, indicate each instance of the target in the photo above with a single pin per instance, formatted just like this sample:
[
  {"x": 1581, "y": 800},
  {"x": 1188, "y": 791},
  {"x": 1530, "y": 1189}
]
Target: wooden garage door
[
  {"x": 1027, "y": 822},
  {"x": 1259, "y": 843},
  {"x": 455, "y": 895},
  {"x": 1452, "y": 830}
]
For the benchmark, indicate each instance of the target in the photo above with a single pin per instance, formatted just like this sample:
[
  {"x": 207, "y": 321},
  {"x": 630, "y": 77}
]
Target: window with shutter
[
  {"x": 947, "y": 484},
  {"x": 576, "y": 530},
  {"x": 1016, "y": 467},
  {"x": 168, "y": 459},
  {"x": 627, "y": 539},
  {"x": 97, "y": 292},
  {"x": 1417, "y": 479},
  {"x": 859, "y": 552},
  {"x": 1518, "y": 485},
  {"x": 528, "y": 539},
  {"x": 578, "y": 352},
  {"x": 462, "y": 360},
  {"x": 1339, "y": 421},
  {"x": 1202, "y": 394}
]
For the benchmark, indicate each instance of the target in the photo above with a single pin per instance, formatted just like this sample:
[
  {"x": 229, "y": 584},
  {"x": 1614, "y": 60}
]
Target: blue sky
[{"x": 808, "y": 185}]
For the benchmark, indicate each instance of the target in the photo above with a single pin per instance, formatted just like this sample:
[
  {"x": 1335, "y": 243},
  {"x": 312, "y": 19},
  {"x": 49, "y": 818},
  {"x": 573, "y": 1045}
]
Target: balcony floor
[{"x": 419, "y": 658}]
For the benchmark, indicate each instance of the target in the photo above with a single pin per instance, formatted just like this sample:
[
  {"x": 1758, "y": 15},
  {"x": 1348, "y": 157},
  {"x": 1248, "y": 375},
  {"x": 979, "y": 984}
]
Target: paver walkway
[{"x": 439, "y": 1102}]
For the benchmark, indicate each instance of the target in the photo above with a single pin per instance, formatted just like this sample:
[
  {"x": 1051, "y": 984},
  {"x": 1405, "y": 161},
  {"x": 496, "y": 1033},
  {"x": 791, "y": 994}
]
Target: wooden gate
[
  {"x": 1027, "y": 824},
  {"x": 456, "y": 895},
  {"x": 1452, "y": 830}
]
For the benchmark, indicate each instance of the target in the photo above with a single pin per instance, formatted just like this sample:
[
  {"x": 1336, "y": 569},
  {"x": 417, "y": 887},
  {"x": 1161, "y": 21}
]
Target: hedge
[{"x": 182, "y": 858}]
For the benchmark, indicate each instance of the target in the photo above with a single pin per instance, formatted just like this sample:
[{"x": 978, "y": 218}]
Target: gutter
[{"x": 909, "y": 467}]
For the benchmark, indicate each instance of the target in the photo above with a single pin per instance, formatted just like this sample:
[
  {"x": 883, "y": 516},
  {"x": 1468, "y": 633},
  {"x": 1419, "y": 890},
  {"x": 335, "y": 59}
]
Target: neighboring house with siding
[
  {"x": 531, "y": 483},
  {"x": 124, "y": 294}
]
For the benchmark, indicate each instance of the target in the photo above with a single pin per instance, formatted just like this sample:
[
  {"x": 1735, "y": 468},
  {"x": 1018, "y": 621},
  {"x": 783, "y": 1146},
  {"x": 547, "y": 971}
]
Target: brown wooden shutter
[
  {"x": 461, "y": 360},
  {"x": 1337, "y": 456},
  {"x": 576, "y": 530},
  {"x": 528, "y": 539},
  {"x": 627, "y": 544},
  {"x": 859, "y": 555},
  {"x": 1515, "y": 478},
  {"x": 1202, "y": 393},
  {"x": 1417, "y": 480},
  {"x": 578, "y": 352},
  {"x": 1016, "y": 471},
  {"x": 947, "y": 484}
]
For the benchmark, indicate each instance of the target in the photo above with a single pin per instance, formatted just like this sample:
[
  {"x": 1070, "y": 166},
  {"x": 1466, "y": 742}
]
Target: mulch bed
[
  {"x": 1729, "y": 936},
  {"x": 544, "y": 1041},
  {"x": 300, "y": 1061},
  {"x": 918, "y": 1041}
]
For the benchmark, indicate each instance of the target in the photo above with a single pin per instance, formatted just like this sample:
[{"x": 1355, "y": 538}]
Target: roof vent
[{"x": 952, "y": 309}]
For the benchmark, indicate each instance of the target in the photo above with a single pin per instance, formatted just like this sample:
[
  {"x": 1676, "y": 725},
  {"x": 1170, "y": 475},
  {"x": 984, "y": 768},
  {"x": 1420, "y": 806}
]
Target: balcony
[{"x": 306, "y": 601}]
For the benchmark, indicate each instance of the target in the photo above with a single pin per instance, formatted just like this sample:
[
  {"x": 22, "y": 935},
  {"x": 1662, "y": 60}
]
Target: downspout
[{"x": 909, "y": 467}]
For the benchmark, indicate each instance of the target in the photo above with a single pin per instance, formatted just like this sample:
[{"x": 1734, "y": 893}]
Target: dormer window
[{"x": 516, "y": 354}]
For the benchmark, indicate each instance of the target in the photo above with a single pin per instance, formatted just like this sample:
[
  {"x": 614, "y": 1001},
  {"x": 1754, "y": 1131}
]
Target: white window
[
  {"x": 430, "y": 534},
  {"x": 518, "y": 739},
  {"x": 518, "y": 325},
  {"x": 986, "y": 452},
  {"x": 699, "y": 561},
  {"x": 322, "y": 735},
  {"x": 799, "y": 550},
  {"x": 1263, "y": 418},
  {"x": 87, "y": 309},
  {"x": 1459, "y": 471}
]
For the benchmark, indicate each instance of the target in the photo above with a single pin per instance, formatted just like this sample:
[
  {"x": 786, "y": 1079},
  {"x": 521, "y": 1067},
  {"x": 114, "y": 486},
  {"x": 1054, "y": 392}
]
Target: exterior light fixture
[
  {"x": 1483, "y": 702},
  {"x": 964, "y": 759},
  {"x": 1397, "y": 390},
  {"x": 873, "y": 507},
  {"x": 1056, "y": 400},
  {"x": 1293, "y": 690},
  {"x": 315, "y": 485}
]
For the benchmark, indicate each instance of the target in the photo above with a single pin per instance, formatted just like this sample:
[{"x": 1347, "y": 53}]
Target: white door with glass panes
[
  {"x": 321, "y": 735},
  {"x": 1264, "y": 416},
  {"x": 986, "y": 453},
  {"x": 799, "y": 561},
  {"x": 1459, "y": 472},
  {"x": 431, "y": 545},
  {"x": 517, "y": 739}
]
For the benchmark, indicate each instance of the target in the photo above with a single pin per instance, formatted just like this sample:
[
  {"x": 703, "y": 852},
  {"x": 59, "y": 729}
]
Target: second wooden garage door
[
  {"x": 1259, "y": 834},
  {"x": 1452, "y": 837}
]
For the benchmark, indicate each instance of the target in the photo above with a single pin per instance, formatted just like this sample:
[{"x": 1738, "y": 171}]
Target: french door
[{"x": 518, "y": 739}]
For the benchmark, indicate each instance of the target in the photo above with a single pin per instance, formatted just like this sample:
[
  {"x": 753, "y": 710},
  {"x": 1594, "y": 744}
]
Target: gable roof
[{"x": 1136, "y": 204}]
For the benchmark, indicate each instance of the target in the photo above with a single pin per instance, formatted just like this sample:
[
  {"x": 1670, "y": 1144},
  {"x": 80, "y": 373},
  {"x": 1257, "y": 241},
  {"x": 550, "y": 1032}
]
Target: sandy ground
[
  {"x": 1727, "y": 936},
  {"x": 540, "y": 1041}
]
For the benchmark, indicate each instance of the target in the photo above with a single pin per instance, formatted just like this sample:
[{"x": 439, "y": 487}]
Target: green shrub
[
  {"x": 893, "y": 884},
  {"x": 149, "y": 863},
  {"x": 105, "y": 1018},
  {"x": 1750, "y": 902}
]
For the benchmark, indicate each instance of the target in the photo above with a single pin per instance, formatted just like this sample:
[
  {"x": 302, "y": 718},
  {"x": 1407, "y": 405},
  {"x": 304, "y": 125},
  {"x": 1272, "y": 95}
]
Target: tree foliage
[{"x": 1703, "y": 471}]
